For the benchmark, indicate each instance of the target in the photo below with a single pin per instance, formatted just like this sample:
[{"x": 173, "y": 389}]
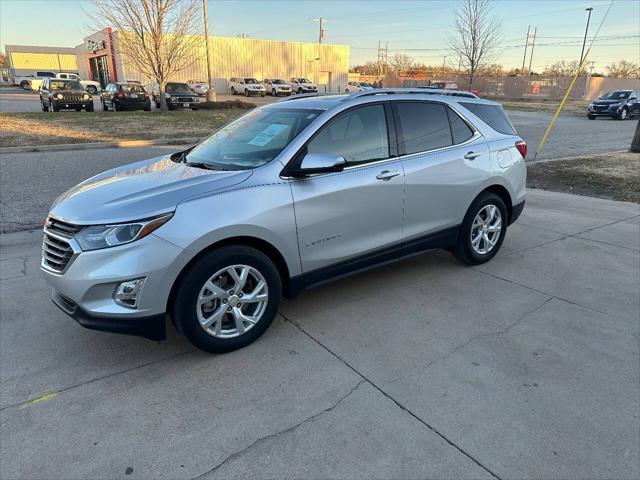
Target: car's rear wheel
[
  {"x": 25, "y": 85},
  {"x": 233, "y": 91},
  {"x": 227, "y": 299},
  {"x": 483, "y": 229}
]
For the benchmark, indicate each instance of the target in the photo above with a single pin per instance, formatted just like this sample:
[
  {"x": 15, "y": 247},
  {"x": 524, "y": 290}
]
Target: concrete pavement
[{"x": 525, "y": 367}]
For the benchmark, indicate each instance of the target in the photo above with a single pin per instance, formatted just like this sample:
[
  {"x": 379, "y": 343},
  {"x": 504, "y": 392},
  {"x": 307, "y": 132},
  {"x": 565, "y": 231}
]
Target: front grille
[
  {"x": 186, "y": 99},
  {"x": 70, "y": 97},
  {"x": 56, "y": 249}
]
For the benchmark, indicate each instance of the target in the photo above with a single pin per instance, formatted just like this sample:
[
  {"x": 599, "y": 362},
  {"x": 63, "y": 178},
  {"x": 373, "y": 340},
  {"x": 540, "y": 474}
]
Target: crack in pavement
[
  {"x": 282, "y": 432},
  {"x": 22, "y": 271},
  {"x": 94, "y": 380},
  {"x": 471, "y": 340},
  {"x": 386, "y": 395}
]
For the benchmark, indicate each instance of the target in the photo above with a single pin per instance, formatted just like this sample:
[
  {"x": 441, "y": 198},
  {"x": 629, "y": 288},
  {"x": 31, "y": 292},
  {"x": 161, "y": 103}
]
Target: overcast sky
[{"x": 416, "y": 28}]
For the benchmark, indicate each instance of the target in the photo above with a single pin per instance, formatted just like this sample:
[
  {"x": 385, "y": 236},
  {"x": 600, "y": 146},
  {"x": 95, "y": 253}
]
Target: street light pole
[
  {"x": 584, "y": 42},
  {"x": 211, "y": 92}
]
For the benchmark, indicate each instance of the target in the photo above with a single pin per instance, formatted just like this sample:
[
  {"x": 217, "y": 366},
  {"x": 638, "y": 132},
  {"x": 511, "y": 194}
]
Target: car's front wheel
[
  {"x": 483, "y": 229},
  {"x": 624, "y": 114},
  {"x": 227, "y": 299},
  {"x": 591, "y": 117}
]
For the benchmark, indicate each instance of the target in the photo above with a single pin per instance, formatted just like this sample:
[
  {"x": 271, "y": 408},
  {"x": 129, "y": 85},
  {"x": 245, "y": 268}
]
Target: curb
[
  {"x": 92, "y": 146},
  {"x": 575, "y": 157}
]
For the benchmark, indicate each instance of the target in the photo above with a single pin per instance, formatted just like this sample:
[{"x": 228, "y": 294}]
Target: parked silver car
[{"x": 285, "y": 197}]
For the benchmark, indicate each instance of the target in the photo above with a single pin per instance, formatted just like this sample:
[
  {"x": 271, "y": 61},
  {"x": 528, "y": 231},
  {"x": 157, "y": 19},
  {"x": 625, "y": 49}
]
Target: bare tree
[
  {"x": 623, "y": 69},
  {"x": 401, "y": 63},
  {"x": 477, "y": 36},
  {"x": 562, "y": 69},
  {"x": 157, "y": 37}
]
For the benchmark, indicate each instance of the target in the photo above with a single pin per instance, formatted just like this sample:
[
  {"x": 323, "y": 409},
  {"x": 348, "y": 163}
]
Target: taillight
[
  {"x": 521, "y": 145},
  {"x": 146, "y": 95},
  {"x": 120, "y": 95}
]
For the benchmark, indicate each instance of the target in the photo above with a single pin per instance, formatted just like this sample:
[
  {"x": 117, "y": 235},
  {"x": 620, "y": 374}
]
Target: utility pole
[
  {"x": 211, "y": 92},
  {"x": 526, "y": 44},
  {"x": 444, "y": 64},
  {"x": 584, "y": 42},
  {"x": 535, "y": 30},
  {"x": 321, "y": 31}
]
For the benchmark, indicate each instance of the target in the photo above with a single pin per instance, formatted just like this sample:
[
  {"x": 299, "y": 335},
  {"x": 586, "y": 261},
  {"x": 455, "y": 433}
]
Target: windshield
[
  {"x": 304, "y": 80},
  {"x": 277, "y": 82},
  {"x": 177, "y": 88},
  {"x": 365, "y": 84},
  {"x": 252, "y": 140},
  {"x": 615, "y": 95},
  {"x": 65, "y": 85},
  {"x": 250, "y": 81}
]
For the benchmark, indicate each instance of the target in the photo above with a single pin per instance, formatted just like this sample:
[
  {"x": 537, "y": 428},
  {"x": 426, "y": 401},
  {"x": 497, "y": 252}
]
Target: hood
[
  {"x": 609, "y": 102},
  {"x": 139, "y": 190}
]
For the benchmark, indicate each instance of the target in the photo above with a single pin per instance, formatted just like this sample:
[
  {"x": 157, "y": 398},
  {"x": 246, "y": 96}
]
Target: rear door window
[
  {"x": 460, "y": 131},
  {"x": 422, "y": 126},
  {"x": 492, "y": 115}
]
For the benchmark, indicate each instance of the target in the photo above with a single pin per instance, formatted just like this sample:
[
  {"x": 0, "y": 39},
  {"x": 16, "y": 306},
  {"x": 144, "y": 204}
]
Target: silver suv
[{"x": 285, "y": 197}]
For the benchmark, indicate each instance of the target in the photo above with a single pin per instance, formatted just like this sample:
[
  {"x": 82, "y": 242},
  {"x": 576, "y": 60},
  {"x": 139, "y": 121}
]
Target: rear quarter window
[{"x": 492, "y": 115}]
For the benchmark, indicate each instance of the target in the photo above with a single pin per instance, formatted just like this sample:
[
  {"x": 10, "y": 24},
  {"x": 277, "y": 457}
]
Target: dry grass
[
  {"x": 571, "y": 107},
  {"x": 23, "y": 129},
  {"x": 615, "y": 176}
]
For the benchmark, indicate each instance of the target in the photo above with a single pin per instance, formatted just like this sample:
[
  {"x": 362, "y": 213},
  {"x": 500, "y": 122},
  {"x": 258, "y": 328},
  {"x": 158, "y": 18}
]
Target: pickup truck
[
  {"x": 26, "y": 81},
  {"x": 89, "y": 85}
]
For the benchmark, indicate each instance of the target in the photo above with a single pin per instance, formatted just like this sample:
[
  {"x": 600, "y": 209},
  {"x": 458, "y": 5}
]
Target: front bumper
[
  {"x": 64, "y": 104},
  {"x": 609, "y": 112},
  {"x": 153, "y": 327},
  {"x": 86, "y": 289}
]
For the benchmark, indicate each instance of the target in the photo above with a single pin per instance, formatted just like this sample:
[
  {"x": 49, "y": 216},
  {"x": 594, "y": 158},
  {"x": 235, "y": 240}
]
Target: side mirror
[{"x": 314, "y": 163}]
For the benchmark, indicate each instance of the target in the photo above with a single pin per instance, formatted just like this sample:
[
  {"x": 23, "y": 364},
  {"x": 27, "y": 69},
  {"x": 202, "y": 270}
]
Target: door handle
[
  {"x": 472, "y": 155},
  {"x": 387, "y": 174}
]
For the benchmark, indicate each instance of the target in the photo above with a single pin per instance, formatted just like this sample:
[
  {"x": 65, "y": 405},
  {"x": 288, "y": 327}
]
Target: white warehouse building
[{"x": 100, "y": 59}]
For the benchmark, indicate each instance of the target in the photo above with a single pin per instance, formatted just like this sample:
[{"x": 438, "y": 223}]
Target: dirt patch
[
  {"x": 571, "y": 107},
  {"x": 46, "y": 128},
  {"x": 614, "y": 176}
]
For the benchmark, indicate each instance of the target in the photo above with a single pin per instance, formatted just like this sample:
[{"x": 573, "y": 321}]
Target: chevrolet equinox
[{"x": 286, "y": 197}]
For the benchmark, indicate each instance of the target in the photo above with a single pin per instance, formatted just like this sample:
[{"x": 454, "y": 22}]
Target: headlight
[
  {"x": 86, "y": 96},
  {"x": 173, "y": 99},
  {"x": 59, "y": 96},
  {"x": 104, "y": 236}
]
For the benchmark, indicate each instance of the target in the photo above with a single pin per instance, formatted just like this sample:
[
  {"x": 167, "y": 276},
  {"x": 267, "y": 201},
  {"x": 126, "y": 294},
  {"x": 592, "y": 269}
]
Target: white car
[
  {"x": 353, "y": 87},
  {"x": 198, "y": 86},
  {"x": 247, "y": 86},
  {"x": 90, "y": 86},
  {"x": 302, "y": 85},
  {"x": 276, "y": 86}
]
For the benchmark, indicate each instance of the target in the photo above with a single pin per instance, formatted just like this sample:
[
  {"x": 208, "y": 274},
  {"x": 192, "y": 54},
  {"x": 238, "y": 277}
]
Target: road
[{"x": 525, "y": 367}]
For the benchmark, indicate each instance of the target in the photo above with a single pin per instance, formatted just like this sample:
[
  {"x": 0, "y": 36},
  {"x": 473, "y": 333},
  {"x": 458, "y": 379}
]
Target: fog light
[{"x": 127, "y": 293}]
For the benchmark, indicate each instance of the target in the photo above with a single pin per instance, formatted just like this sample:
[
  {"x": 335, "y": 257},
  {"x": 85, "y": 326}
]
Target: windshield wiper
[{"x": 201, "y": 165}]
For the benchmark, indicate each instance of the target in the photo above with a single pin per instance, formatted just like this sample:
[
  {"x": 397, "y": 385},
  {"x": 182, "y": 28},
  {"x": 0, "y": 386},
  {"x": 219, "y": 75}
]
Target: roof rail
[
  {"x": 417, "y": 91},
  {"x": 297, "y": 96}
]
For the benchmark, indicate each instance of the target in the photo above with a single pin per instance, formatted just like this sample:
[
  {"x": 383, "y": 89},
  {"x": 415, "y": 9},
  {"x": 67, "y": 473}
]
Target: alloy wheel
[
  {"x": 486, "y": 229},
  {"x": 232, "y": 301}
]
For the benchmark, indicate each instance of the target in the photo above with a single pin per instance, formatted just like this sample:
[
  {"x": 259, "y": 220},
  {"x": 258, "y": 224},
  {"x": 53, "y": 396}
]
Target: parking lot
[{"x": 525, "y": 367}]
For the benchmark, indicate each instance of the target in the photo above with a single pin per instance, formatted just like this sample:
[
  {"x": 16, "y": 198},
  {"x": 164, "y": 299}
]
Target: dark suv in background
[
  {"x": 177, "y": 95},
  {"x": 63, "y": 94},
  {"x": 620, "y": 104},
  {"x": 125, "y": 96}
]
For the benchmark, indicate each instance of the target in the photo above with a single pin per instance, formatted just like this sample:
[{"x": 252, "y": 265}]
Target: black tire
[
  {"x": 104, "y": 106},
  {"x": 463, "y": 250},
  {"x": 246, "y": 92},
  {"x": 24, "y": 85},
  {"x": 183, "y": 311},
  {"x": 299, "y": 91},
  {"x": 624, "y": 114},
  {"x": 89, "y": 108},
  {"x": 114, "y": 105},
  {"x": 45, "y": 108},
  {"x": 233, "y": 91},
  {"x": 78, "y": 109},
  {"x": 273, "y": 92},
  {"x": 591, "y": 117},
  {"x": 53, "y": 107}
]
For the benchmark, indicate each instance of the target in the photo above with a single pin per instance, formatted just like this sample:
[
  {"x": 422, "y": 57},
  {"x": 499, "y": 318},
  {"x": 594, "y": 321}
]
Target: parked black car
[
  {"x": 620, "y": 104},
  {"x": 64, "y": 94},
  {"x": 177, "y": 95},
  {"x": 125, "y": 96}
]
